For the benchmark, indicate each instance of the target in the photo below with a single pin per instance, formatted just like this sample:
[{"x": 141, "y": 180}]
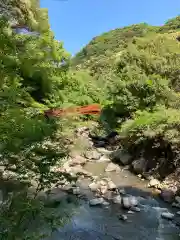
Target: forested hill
[
  {"x": 137, "y": 68},
  {"x": 99, "y": 54}
]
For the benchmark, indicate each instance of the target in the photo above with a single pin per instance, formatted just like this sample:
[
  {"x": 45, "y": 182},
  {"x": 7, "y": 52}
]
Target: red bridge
[{"x": 93, "y": 109}]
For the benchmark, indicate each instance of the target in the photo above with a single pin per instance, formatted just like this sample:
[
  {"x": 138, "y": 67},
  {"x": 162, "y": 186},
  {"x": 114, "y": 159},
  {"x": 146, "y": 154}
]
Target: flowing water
[{"x": 102, "y": 223}]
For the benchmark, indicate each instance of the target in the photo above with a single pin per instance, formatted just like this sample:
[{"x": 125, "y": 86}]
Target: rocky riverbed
[{"x": 114, "y": 203}]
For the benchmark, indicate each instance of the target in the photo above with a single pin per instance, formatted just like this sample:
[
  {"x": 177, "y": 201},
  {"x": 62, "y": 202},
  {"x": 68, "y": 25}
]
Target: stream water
[{"x": 102, "y": 223}]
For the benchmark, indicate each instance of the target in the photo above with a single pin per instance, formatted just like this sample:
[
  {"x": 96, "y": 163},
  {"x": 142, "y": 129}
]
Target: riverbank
[
  {"x": 103, "y": 180},
  {"x": 114, "y": 203}
]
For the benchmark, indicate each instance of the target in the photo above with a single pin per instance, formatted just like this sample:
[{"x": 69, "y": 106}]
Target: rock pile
[{"x": 105, "y": 192}]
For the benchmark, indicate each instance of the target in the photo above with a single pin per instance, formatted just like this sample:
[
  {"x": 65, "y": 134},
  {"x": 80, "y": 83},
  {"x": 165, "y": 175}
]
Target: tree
[{"x": 29, "y": 76}]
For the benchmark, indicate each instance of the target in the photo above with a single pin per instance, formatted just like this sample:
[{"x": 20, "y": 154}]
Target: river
[{"x": 102, "y": 223}]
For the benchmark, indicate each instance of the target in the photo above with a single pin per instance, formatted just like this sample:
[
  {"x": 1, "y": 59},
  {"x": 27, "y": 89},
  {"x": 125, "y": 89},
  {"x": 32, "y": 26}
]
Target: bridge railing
[{"x": 92, "y": 109}]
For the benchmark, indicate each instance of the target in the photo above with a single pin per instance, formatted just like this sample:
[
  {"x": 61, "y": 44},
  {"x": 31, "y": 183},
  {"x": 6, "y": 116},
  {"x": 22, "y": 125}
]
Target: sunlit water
[{"x": 102, "y": 223}]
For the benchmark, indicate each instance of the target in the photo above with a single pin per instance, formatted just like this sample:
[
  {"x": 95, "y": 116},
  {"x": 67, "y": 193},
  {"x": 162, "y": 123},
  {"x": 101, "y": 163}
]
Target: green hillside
[
  {"x": 113, "y": 41},
  {"x": 138, "y": 70},
  {"x": 98, "y": 56}
]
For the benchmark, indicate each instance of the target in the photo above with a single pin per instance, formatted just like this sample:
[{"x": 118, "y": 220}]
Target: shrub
[{"x": 156, "y": 135}]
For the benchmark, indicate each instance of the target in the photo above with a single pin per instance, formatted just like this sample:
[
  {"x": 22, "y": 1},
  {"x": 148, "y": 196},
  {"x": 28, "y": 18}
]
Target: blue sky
[{"x": 76, "y": 22}]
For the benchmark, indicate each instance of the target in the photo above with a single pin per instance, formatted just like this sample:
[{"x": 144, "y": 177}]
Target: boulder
[
  {"x": 122, "y": 191},
  {"x": 105, "y": 203},
  {"x": 77, "y": 160},
  {"x": 121, "y": 156},
  {"x": 104, "y": 151},
  {"x": 167, "y": 215},
  {"x": 139, "y": 165},
  {"x": 167, "y": 195},
  {"x": 176, "y": 205},
  {"x": 94, "y": 186},
  {"x": 130, "y": 212},
  {"x": 68, "y": 188},
  {"x": 117, "y": 199},
  {"x": 122, "y": 217},
  {"x": 103, "y": 189},
  {"x": 104, "y": 159},
  {"x": 76, "y": 191},
  {"x": 93, "y": 155},
  {"x": 112, "y": 167},
  {"x": 156, "y": 192},
  {"x": 108, "y": 195},
  {"x": 96, "y": 201},
  {"x": 103, "y": 182},
  {"x": 111, "y": 185},
  {"x": 129, "y": 202},
  {"x": 154, "y": 183},
  {"x": 135, "y": 209}
]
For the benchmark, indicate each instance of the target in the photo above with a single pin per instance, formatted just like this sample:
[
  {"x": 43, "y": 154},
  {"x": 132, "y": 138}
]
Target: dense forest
[
  {"x": 137, "y": 68},
  {"x": 133, "y": 72}
]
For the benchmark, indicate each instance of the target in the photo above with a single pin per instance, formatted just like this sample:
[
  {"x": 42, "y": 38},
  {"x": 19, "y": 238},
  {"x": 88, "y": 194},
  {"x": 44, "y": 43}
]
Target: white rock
[
  {"x": 135, "y": 209},
  {"x": 129, "y": 202},
  {"x": 122, "y": 217},
  {"x": 133, "y": 201},
  {"x": 93, "y": 155},
  {"x": 103, "y": 189},
  {"x": 68, "y": 188},
  {"x": 96, "y": 201},
  {"x": 130, "y": 212},
  {"x": 111, "y": 167},
  {"x": 95, "y": 178},
  {"x": 117, "y": 199},
  {"x": 167, "y": 215},
  {"x": 104, "y": 159},
  {"x": 122, "y": 191},
  {"x": 76, "y": 191},
  {"x": 103, "y": 182},
  {"x": 178, "y": 213},
  {"x": 82, "y": 130},
  {"x": 93, "y": 186},
  {"x": 104, "y": 151},
  {"x": 105, "y": 203},
  {"x": 66, "y": 165},
  {"x": 154, "y": 183},
  {"x": 111, "y": 185},
  {"x": 177, "y": 205}
]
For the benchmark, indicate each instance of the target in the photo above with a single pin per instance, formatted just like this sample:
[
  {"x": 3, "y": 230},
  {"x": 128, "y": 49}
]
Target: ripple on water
[{"x": 96, "y": 223}]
